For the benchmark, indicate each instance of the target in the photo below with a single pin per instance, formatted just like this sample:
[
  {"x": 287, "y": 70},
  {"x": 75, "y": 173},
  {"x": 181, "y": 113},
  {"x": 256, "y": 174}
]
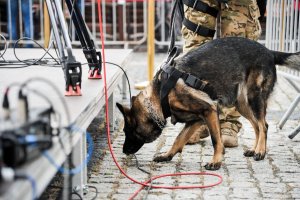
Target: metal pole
[
  {"x": 151, "y": 33},
  {"x": 282, "y": 32},
  {"x": 55, "y": 30}
]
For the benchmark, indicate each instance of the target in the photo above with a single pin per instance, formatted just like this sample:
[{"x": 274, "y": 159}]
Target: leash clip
[{"x": 172, "y": 55}]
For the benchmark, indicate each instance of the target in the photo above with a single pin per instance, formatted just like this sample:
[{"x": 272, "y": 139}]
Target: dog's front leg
[
  {"x": 179, "y": 142},
  {"x": 213, "y": 124}
]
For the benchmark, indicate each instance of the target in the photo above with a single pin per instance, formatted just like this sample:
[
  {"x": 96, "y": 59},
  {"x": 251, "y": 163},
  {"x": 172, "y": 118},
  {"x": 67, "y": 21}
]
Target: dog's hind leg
[
  {"x": 255, "y": 111},
  {"x": 180, "y": 141},
  {"x": 254, "y": 123}
]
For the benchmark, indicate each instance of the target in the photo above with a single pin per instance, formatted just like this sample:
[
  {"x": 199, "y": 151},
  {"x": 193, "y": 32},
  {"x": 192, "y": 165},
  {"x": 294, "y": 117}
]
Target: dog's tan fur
[{"x": 186, "y": 103}]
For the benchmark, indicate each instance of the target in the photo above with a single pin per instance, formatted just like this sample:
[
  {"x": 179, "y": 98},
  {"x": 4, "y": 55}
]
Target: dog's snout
[
  {"x": 128, "y": 151},
  {"x": 131, "y": 146}
]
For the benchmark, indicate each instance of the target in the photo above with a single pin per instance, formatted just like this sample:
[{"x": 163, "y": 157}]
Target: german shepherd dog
[{"x": 242, "y": 73}]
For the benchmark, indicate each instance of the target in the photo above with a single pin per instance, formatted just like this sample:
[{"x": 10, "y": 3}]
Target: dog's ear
[
  {"x": 133, "y": 99},
  {"x": 126, "y": 114},
  {"x": 124, "y": 110}
]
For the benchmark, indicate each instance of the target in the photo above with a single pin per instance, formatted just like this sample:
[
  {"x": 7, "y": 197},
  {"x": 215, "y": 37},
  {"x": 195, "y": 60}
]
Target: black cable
[
  {"x": 34, "y": 61},
  {"x": 18, "y": 67},
  {"x": 75, "y": 193},
  {"x": 90, "y": 186},
  {"x": 141, "y": 169},
  {"x": 125, "y": 76},
  {"x": 5, "y": 47},
  {"x": 138, "y": 165},
  {"x": 28, "y": 62},
  {"x": 96, "y": 191},
  {"x": 23, "y": 66}
]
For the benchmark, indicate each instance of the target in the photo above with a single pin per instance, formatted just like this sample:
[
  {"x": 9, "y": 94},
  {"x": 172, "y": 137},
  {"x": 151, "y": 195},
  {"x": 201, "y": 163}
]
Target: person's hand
[{"x": 222, "y": 1}]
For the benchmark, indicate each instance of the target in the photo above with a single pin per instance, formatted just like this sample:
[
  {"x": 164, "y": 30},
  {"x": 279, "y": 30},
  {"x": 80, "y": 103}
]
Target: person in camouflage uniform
[{"x": 238, "y": 18}]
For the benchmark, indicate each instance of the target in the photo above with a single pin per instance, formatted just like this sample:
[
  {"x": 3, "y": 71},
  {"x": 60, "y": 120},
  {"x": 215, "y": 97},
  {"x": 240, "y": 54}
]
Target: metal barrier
[
  {"x": 124, "y": 21},
  {"x": 283, "y": 34},
  {"x": 283, "y": 28}
]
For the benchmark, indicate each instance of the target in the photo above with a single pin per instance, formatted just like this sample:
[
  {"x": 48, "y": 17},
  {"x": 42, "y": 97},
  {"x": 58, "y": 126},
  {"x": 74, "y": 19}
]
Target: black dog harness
[{"x": 169, "y": 78}]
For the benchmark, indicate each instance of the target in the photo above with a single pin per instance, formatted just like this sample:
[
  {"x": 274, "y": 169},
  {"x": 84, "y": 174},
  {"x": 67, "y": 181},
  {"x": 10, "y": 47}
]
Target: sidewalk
[{"x": 276, "y": 177}]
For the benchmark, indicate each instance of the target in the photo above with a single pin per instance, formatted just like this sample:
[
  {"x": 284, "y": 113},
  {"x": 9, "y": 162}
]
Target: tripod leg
[
  {"x": 288, "y": 113},
  {"x": 64, "y": 28},
  {"x": 295, "y": 132},
  {"x": 55, "y": 30},
  {"x": 79, "y": 22},
  {"x": 73, "y": 14}
]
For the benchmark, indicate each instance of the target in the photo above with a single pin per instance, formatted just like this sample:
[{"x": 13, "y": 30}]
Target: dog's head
[{"x": 139, "y": 127}]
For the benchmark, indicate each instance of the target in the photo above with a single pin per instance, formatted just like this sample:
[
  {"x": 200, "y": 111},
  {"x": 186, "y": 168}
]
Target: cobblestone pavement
[{"x": 275, "y": 177}]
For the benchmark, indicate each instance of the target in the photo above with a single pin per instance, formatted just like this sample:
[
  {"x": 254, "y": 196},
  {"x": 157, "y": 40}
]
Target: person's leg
[
  {"x": 253, "y": 28},
  {"x": 12, "y": 19},
  {"x": 233, "y": 23},
  {"x": 191, "y": 39},
  {"x": 234, "y": 20},
  {"x": 27, "y": 19},
  {"x": 241, "y": 20},
  {"x": 230, "y": 126}
]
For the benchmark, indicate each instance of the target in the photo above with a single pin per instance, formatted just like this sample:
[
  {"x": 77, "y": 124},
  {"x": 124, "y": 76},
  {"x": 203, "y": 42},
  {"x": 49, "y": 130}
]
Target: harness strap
[
  {"x": 202, "y": 7},
  {"x": 197, "y": 28},
  {"x": 169, "y": 78},
  {"x": 198, "y": 84},
  {"x": 168, "y": 83}
]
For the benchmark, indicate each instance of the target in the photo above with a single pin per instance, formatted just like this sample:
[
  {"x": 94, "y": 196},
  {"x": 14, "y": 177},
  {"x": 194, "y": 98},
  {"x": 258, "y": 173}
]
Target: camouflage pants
[{"x": 239, "y": 19}]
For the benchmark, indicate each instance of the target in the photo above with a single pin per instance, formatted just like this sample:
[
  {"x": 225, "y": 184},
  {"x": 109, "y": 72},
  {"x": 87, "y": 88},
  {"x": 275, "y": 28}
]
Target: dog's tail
[{"x": 291, "y": 60}]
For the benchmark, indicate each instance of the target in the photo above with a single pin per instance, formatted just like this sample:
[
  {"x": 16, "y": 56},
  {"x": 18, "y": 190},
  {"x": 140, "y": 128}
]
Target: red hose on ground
[{"x": 143, "y": 184}]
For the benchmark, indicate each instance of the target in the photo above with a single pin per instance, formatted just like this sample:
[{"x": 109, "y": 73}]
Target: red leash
[{"x": 143, "y": 184}]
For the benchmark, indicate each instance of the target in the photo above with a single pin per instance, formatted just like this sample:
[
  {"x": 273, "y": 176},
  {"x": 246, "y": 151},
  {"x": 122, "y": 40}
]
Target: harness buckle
[
  {"x": 195, "y": 4},
  {"x": 191, "y": 80},
  {"x": 203, "y": 31},
  {"x": 203, "y": 85},
  {"x": 197, "y": 29}
]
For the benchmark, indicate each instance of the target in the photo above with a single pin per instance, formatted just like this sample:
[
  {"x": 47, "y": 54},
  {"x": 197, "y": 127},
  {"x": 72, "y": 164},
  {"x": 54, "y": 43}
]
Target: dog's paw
[
  {"x": 213, "y": 166},
  {"x": 259, "y": 156},
  {"x": 249, "y": 153},
  {"x": 162, "y": 158}
]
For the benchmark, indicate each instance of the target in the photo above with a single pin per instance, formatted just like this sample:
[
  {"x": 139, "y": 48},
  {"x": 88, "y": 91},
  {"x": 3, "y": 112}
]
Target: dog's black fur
[{"x": 242, "y": 73}]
